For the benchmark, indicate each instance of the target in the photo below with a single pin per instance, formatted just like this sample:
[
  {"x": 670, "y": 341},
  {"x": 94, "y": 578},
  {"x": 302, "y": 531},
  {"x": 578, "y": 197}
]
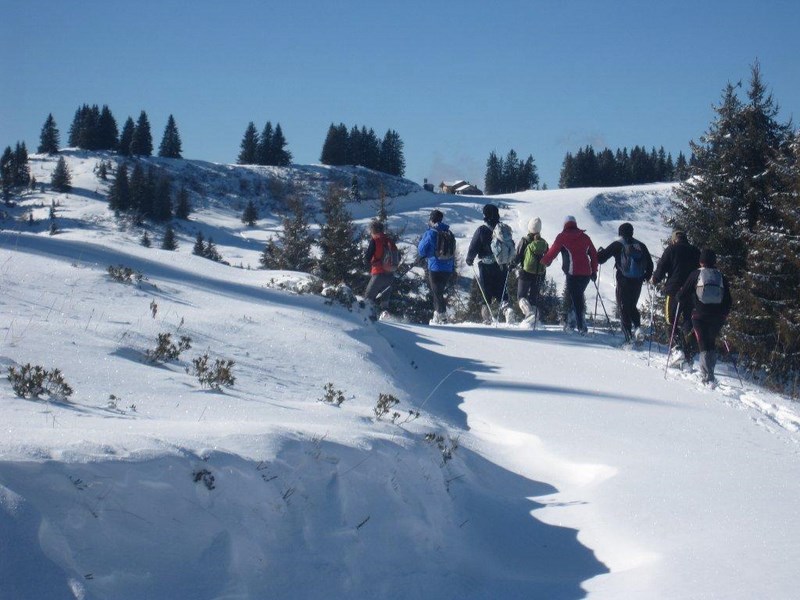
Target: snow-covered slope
[{"x": 540, "y": 465}]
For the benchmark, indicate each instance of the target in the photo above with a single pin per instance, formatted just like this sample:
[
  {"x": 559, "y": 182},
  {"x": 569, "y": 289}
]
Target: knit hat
[
  {"x": 535, "y": 225},
  {"x": 708, "y": 258},
  {"x": 436, "y": 216},
  {"x": 625, "y": 230},
  {"x": 491, "y": 213},
  {"x": 678, "y": 236},
  {"x": 569, "y": 219}
]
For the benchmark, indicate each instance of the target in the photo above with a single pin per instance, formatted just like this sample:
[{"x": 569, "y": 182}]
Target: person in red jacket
[
  {"x": 579, "y": 263},
  {"x": 381, "y": 280}
]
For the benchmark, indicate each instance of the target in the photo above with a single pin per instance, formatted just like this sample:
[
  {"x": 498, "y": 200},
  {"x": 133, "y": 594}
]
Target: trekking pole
[
  {"x": 735, "y": 368},
  {"x": 480, "y": 287},
  {"x": 603, "y": 305},
  {"x": 672, "y": 336},
  {"x": 652, "y": 313},
  {"x": 594, "y": 315},
  {"x": 398, "y": 276}
]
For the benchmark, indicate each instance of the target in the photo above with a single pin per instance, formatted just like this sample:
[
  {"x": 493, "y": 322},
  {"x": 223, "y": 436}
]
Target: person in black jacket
[
  {"x": 633, "y": 265},
  {"x": 678, "y": 261},
  {"x": 492, "y": 275},
  {"x": 710, "y": 306}
]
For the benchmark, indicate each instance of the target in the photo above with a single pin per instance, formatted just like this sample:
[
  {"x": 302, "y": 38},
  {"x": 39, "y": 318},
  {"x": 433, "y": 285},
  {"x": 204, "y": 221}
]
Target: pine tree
[
  {"x": 183, "y": 208},
  {"x": 61, "y": 179},
  {"x": 493, "y": 179},
  {"x": 211, "y": 252},
  {"x": 142, "y": 142},
  {"x": 291, "y": 249},
  {"x": 145, "y": 241},
  {"x": 162, "y": 200},
  {"x": 20, "y": 169},
  {"x": 119, "y": 196},
  {"x": 335, "y": 148},
  {"x": 281, "y": 157},
  {"x": 49, "y": 139},
  {"x": 340, "y": 254},
  {"x": 7, "y": 170},
  {"x": 681, "y": 168},
  {"x": 249, "y": 146},
  {"x": 199, "y": 247},
  {"x": 383, "y": 205},
  {"x": 126, "y": 137},
  {"x": 107, "y": 132},
  {"x": 169, "y": 242},
  {"x": 392, "y": 160},
  {"x": 140, "y": 200},
  {"x": 250, "y": 214},
  {"x": 264, "y": 149},
  {"x": 355, "y": 192},
  {"x": 171, "y": 141}
]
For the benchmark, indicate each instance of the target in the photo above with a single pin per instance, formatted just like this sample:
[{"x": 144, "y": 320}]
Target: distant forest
[{"x": 607, "y": 168}]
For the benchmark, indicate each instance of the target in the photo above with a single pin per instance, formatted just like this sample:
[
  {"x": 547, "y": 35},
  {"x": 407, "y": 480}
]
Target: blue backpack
[{"x": 631, "y": 262}]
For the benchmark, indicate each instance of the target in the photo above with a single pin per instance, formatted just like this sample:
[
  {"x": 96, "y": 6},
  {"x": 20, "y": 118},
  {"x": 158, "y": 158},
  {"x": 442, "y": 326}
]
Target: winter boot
[
  {"x": 486, "y": 315},
  {"x": 525, "y": 306},
  {"x": 639, "y": 334}
]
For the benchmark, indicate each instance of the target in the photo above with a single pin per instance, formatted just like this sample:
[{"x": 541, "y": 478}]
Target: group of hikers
[{"x": 698, "y": 297}]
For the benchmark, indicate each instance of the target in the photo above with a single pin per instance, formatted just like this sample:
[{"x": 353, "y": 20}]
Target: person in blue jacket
[{"x": 438, "y": 246}]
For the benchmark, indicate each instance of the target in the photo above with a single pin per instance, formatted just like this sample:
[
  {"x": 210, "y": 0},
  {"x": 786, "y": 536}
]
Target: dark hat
[
  {"x": 376, "y": 226},
  {"x": 708, "y": 258},
  {"x": 436, "y": 216},
  {"x": 625, "y": 230},
  {"x": 678, "y": 236},
  {"x": 491, "y": 213}
]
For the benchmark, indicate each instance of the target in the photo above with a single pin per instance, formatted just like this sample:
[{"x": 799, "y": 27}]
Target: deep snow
[{"x": 560, "y": 466}]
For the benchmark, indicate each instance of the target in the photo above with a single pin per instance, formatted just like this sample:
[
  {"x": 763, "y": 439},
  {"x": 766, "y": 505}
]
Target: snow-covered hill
[{"x": 521, "y": 464}]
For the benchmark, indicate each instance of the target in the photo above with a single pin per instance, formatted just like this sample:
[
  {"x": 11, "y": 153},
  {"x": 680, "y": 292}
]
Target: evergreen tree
[
  {"x": 281, "y": 157},
  {"x": 7, "y": 170},
  {"x": 183, "y": 208},
  {"x": 355, "y": 192},
  {"x": 61, "y": 179},
  {"x": 493, "y": 179},
  {"x": 126, "y": 137},
  {"x": 528, "y": 176},
  {"x": 199, "y": 247},
  {"x": 211, "y": 252},
  {"x": 264, "y": 149},
  {"x": 171, "y": 141},
  {"x": 142, "y": 142},
  {"x": 162, "y": 201},
  {"x": 49, "y": 139},
  {"x": 340, "y": 254},
  {"x": 372, "y": 155},
  {"x": 145, "y": 241},
  {"x": 169, "y": 242},
  {"x": 119, "y": 196},
  {"x": 140, "y": 200},
  {"x": 250, "y": 214},
  {"x": 107, "y": 132},
  {"x": 21, "y": 173},
  {"x": 392, "y": 160},
  {"x": 249, "y": 146},
  {"x": 335, "y": 149},
  {"x": 383, "y": 206},
  {"x": 291, "y": 249},
  {"x": 681, "y": 168},
  {"x": 567, "y": 178}
]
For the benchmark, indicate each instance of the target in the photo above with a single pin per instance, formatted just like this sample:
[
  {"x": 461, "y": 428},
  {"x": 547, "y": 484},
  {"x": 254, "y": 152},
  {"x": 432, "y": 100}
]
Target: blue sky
[{"x": 456, "y": 80}]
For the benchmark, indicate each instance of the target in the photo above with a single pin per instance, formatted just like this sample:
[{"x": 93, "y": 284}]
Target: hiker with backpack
[
  {"x": 383, "y": 259},
  {"x": 493, "y": 245},
  {"x": 633, "y": 265},
  {"x": 707, "y": 293},
  {"x": 438, "y": 245},
  {"x": 579, "y": 263},
  {"x": 679, "y": 260},
  {"x": 530, "y": 274}
]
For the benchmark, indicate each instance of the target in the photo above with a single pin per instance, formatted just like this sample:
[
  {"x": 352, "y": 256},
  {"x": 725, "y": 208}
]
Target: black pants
[
  {"x": 438, "y": 281},
  {"x": 576, "y": 286},
  {"x": 628, "y": 292},
  {"x": 493, "y": 280},
  {"x": 528, "y": 287},
  {"x": 706, "y": 329}
]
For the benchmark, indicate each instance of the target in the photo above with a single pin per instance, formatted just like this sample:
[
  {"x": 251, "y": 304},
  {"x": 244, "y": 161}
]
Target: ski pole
[
  {"x": 671, "y": 337},
  {"x": 652, "y": 313},
  {"x": 398, "y": 276},
  {"x": 735, "y": 368},
  {"x": 480, "y": 287},
  {"x": 603, "y": 305},
  {"x": 594, "y": 315}
]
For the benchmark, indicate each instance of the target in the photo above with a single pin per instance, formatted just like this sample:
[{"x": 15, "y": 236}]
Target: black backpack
[{"x": 445, "y": 244}]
